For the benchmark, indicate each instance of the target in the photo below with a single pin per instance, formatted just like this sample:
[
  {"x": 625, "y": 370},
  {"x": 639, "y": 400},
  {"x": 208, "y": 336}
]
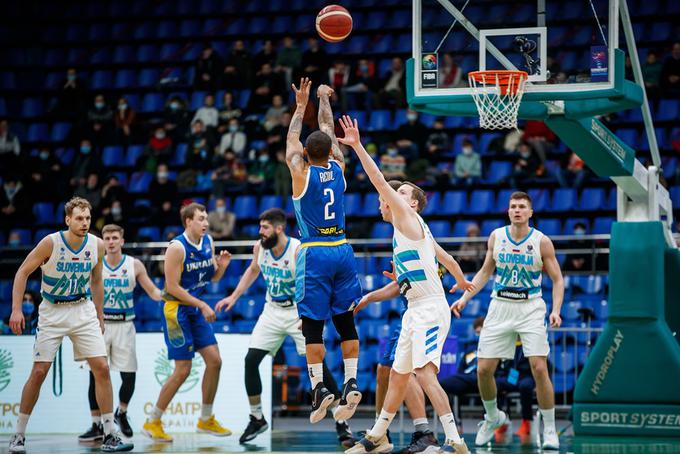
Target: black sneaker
[
  {"x": 349, "y": 401},
  {"x": 94, "y": 433},
  {"x": 321, "y": 400},
  {"x": 120, "y": 418},
  {"x": 255, "y": 428},
  {"x": 420, "y": 441},
  {"x": 113, "y": 443},
  {"x": 345, "y": 436}
]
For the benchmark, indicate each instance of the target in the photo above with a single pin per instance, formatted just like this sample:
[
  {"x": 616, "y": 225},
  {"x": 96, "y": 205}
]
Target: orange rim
[{"x": 509, "y": 81}]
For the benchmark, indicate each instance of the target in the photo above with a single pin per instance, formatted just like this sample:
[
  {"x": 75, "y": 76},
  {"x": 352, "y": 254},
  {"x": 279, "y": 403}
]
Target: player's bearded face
[
  {"x": 269, "y": 241},
  {"x": 79, "y": 221}
]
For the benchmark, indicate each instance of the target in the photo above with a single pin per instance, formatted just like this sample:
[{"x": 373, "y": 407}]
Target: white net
[{"x": 497, "y": 95}]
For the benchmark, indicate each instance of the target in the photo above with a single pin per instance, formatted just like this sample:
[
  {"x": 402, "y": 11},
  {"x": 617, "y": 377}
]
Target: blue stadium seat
[
  {"x": 571, "y": 310},
  {"x": 352, "y": 204},
  {"x": 149, "y": 77},
  {"x": 433, "y": 203},
  {"x": 550, "y": 227},
  {"x": 592, "y": 199},
  {"x": 7, "y": 81},
  {"x": 564, "y": 360},
  {"x": 490, "y": 225},
  {"x": 60, "y": 131},
  {"x": 145, "y": 30},
  {"x": 3, "y": 107},
  {"x": 462, "y": 327},
  {"x": 44, "y": 213},
  {"x": 37, "y": 132},
  {"x": 282, "y": 24},
  {"x": 179, "y": 157},
  {"x": 629, "y": 136},
  {"x": 272, "y": 201},
  {"x": 540, "y": 199},
  {"x": 564, "y": 199},
  {"x": 382, "y": 230},
  {"x": 498, "y": 170},
  {"x": 481, "y": 202},
  {"x": 380, "y": 120},
  {"x": 197, "y": 98},
  {"x": 139, "y": 182},
  {"x": 455, "y": 202},
  {"x": 440, "y": 229},
  {"x": 190, "y": 28},
  {"x": 177, "y": 230},
  {"x": 669, "y": 109},
  {"x": 133, "y": 153},
  {"x": 371, "y": 205},
  {"x": 460, "y": 228},
  {"x": 32, "y": 107},
  {"x": 125, "y": 78},
  {"x": 152, "y": 233},
  {"x": 660, "y": 134},
  {"x": 169, "y": 52},
  {"x": 113, "y": 156},
  {"x": 153, "y": 102},
  {"x": 101, "y": 80},
  {"x": 245, "y": 207},
  {"x": 602, "y": 225}
]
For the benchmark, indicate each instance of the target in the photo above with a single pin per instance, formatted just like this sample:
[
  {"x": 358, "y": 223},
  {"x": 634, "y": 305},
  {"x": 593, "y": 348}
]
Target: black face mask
[{"x": 270, "y": 242}]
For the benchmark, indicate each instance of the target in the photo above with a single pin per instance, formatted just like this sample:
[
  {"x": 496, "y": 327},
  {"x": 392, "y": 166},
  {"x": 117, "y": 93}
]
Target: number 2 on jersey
[{"x": 327, "y": 215}]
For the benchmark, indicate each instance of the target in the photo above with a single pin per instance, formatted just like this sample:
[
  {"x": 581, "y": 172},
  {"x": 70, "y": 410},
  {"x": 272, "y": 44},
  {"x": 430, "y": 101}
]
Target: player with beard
[{"x": 274, "y": 257}]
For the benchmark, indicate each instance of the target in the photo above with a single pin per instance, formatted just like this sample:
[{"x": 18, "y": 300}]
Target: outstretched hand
[
  {"x": 465, "y": 286},
  {"x": 302, "y": 93},
  {"x": 391, "y": 275},
  {"x": 324, "y": 90},
  {"x": 351, "y": 130}
]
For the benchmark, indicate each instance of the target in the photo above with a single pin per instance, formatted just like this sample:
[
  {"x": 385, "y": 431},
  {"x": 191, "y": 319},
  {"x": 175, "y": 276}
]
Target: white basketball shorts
[
  {"x": 121, "y": 346},
  {"x": 274, "y": 324}
]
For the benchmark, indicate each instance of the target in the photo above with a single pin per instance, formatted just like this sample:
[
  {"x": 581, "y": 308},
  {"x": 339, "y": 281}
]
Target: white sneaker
[
  {"x": 550, "y": 439},
  {"x": 486, "y": 428},
  {"x": 16, "y": 443}
]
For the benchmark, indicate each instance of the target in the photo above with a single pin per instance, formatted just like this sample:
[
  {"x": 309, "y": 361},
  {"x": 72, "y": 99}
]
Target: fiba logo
[
  {"x": 164, "y": 369},
  {"x": 6, "y": 364}
]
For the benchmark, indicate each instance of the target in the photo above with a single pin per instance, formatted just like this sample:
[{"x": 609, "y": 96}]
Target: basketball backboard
[{"x": 567, "y": 47}]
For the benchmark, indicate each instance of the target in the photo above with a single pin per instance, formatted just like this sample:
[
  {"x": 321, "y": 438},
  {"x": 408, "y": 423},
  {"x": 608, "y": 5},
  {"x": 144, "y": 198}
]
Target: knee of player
[
  {"x": 344, "y": 324},
  {"x": 486, "y": 370},
  {"x": 182, "y": 369},
  {"x": 40, "y": 371},
  {"x": 539, "y": 366},
  {"x": 312, "y": 330},
  {"x": 100, "y": 370}
]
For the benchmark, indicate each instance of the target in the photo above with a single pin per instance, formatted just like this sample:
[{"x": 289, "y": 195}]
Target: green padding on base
[
  {"x": 673, "y": 291},
  {"x": 627, "y": 420}
]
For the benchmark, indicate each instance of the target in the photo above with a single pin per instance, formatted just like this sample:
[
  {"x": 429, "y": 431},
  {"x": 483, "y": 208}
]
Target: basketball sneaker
[
  {"x": 458, "y": 448},
  {"x": 255, "y": 427},
  {"x": 424, "y": 442},
  {"x": 212, "y": 427},
  {"x": 550, "y": 439},
  {"x": 371, "y": 444},
  {"x": 154, "y": 430},
  {"x": 16, "y": 443},
  {"x": 525, "y": 428},
  {"x": 345, "y": 436},
  {"x": 120, "y": 418},
  {"x": 486, "y": 428},
  {"x": 349, "y": 401},
  {"x": 113, "y": 443},
  {"x": 94, "y": 433},
  {"x": 321, "y": 400}
]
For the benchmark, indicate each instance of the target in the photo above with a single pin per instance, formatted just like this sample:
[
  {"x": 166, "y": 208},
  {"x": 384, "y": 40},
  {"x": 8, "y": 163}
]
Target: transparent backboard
[{"x": 564, "y": 45}]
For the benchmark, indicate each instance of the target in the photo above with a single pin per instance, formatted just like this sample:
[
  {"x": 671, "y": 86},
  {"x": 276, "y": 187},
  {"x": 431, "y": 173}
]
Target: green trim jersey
[
  {"x": 416, "y": 266},
  {"x": 119, "y": 286},
  {"x": 66, "y": 274},
  {"x": 519, "y": 266},
  {"x": 279, "y": 274}
]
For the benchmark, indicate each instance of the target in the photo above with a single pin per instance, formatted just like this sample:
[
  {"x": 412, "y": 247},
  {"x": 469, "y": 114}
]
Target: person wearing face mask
[
  {"x": 392, "y": 164},
  {"x": 44, "y": 177},
  {"x": 411, "y": 136},
  {"x": 229, "y": 176},
  {"x": 237, "y": 66},
  {"x": 10, "y": 148},
  {"x": 233, "y": 139},
  {"x": 85, "y": 162},
  {"x": 123, "y": 121},
  {"x": 208, "y": 68},
  {"x": 527, "y": 164},
  {"x": 579, "y": 262},
  {"x": 228, "y": 111},
  {"x": 71, "y": 97},
  {"x": 91, "y": 192},
  {"x": 468, "y": 168},
  {"x": 357, "y": 95},
  {"x": 176, "y": 119},
  {"x": 221, "y": 222},
  {"x": 158, "y": 151},
  {"x": 100, "y": 121},
  {"x": 15, "y": 204},
  {"x": 261, "y": 172},
  {"x": 14, "y": 239},
  {"x": 162, "y": 189},
  {"x": 29, "y": 307}
]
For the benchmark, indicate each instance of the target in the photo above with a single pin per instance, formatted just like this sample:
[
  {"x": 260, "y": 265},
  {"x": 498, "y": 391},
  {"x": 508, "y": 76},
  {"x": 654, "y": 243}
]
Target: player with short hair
[
  {"x": 190, "y": 265},
  {"x": 326, "y": 282},
  {"x": 274, "y": 257},
  {"x": 518, "y": 253},
  {"x": 426, "y": 322},
  {"x": 71, "y": 265},
  {"x": 121, "y": 273}
]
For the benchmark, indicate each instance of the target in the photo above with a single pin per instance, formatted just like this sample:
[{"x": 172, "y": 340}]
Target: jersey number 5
[{"x": 327, "y": 215}]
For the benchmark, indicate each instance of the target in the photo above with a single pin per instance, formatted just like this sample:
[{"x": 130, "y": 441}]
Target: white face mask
[
  {"x": 467, "y": 150},
  {"x": 412, "y": 117},
  {"x": 160, "y": 135},
  {"x": 221, "y": 210}
]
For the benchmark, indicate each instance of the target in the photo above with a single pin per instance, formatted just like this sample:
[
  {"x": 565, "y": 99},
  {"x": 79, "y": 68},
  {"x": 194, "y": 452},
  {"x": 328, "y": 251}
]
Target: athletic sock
[
  {"x": 351, "y": 368},
  {"x": 206, "y": 411},
  {"x": 548, "y": 418},
  {"x": 380, "y": 427},
  {"x": 450, "y": 429},
  {"x": 22, "y": 422},
  {"x": 97, "y": 419},
  {"x": 491, "y": 409},
  {"x": 421, "y": 424},
  {"x": 156, "y": 413},
  {"x": 315, "y": 373},
  {"x": 256, "y": 410},
  {"x": 107, "y": 422}
]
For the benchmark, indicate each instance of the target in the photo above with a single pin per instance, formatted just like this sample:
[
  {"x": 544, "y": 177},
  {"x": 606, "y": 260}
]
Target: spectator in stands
[
  {"x": 45, "y": 177},
  {"x": 261, "y": 172},
  {"x": 163, "y": 190},
  {"x": 91, "y": 191},
  {"x": 29, "y": 307},
  {"x": 221, "y": 221},
  {"x": 288, "y": 59},
  {"x": 338, "y": 77},
  {"x": 200, "y": 153},
  {"x": 234, "y": 139},
  {"x": 112, "y": 192},
  {"x": 123, "y": 121},
  {"x": 282, "y": 180},
  {"x": 438, "y": 141},
  {"x": 526, "y": 165},
  {"x": 411, "y": 136},
  {"x": 273, "y": 116},
  {"x": 228, "y": 111},
  {"x": 579, "y": 261},
  {"x": 392, "y": 164},
  {"x": 450, "y": 73},
  {"x": 100, "y": 122},
  {"x": 10, "y": 149},
  {"x": 230, "y": 174},
  {"x": 277, "y": 135},
  {"x": 266, "y": 56},
  {"x": 468, "y": 168},
  {"x": 15, "y": 203},
  {"x": 471, "y": 254},
  {"x": 237, "y": 68},
  {"x": 85, "y": 162},
  {"x": 14, "y": 239},
  {"x": 208, "y": 68},
  {"x": 670, "y": 74},
  {"x": 114, "y": 214},
  {"x": 651, "y": 73},
  {"x": 266, "y": 84},
  {"x": 572, "y": 173},
  {"x": 176, "y": 119},
  {"x": 360, "y": 87},
  {"x": 72, "y": 96},
  {"x": 207, "y": 114},
  {"x": 392, "y": 92},
  {"x": 540, "y": 137},
  {"x": 158, "y": 150},
  {"x": 315, "y": 63}
]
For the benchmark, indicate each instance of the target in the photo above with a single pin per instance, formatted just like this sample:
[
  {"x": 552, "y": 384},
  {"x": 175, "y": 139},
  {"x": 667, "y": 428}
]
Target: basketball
[{"x": 334, "y": 23}]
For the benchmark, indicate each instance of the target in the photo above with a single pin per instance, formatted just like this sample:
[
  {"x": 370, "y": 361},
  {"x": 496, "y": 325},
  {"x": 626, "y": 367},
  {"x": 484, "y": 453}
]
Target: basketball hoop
[{"x": 497, "y": 95}]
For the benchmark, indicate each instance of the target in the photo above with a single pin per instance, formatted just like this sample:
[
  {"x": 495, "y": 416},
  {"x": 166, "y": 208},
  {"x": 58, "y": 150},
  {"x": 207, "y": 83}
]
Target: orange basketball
[{"x": 334, "y": 23}]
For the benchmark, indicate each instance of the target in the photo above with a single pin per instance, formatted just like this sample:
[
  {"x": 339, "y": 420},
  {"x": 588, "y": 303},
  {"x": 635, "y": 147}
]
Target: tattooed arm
[
  {"x": 294, "y": 150},
  {"x": 326, "y": 124}
]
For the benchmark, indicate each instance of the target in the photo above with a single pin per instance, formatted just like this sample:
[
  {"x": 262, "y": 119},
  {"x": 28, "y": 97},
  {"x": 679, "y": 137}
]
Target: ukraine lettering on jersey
[
  {"x": 198, "y": 267},
  {"x": 320, "y": 209}
]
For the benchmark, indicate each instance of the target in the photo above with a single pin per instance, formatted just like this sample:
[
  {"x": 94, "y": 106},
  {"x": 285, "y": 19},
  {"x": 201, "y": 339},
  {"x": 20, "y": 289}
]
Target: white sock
[
  {"x": 22, "y": 422},
  {"x": 548, "y": 418},
  {"x": 97, "y": 419},
  {"x": 315, "y": 373},
  {"x": 491, "y": 409},
  {"x": 107, "y": 422},
  {"x": 351, "y": 368},
  {"x": 206, "y": 411},
  {"x": 421, "y": 424},
  {"x": 380, "y": 427},
  {"x": 256, "y": 410},
  {"x": 156, "y": 413},
  {"x": 450, "y": 429}
]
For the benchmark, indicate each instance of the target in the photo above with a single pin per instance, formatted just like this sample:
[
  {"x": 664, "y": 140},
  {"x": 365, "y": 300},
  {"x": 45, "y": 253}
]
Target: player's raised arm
[
  {"x": 454, "y": 268},
  {"x": 552, "y": 267},
  {"x": 387, "y": 292},
  {"x": 249, "y": 276},
  {"x": 97, "y": 283},
  {"x": 294, "y": 149},
  {"x": 145, "y": 281},
  {"x": 480, "y": 279},
  {"x": 326, "y": 125},
  {"x": 39, "y": 255}
]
